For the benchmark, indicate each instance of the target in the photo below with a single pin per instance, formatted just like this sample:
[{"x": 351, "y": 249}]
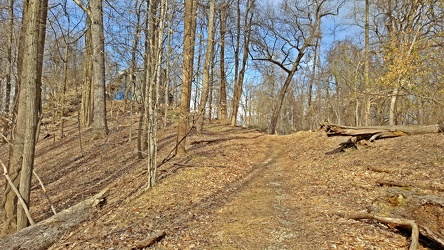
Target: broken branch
[{"x": 399, "y": 222}]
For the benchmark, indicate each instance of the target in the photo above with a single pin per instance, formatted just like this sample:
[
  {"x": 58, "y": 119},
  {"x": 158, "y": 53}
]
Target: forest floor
[{"x": 237, "y": 188}]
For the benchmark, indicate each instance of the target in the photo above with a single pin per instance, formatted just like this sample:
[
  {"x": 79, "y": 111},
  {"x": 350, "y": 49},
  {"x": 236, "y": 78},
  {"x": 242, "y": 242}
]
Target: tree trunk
[
  {"x": 223, "y": 77},
  {"x": 398, "y": 130},
  {"x": 9, "y": 70},
  {"x": 98, "y": 42},
  {"x": 187, "y": 73},
  {"x": 134, "y": 65},
  {"x": 313, "y": 34},
  {"x": 367, "y": 63},
  {"x": 22, "y": 152},
  {"x": 233, "y": 116},
  {"x": 393, "y": 102},
  {"x": 278, "y": 104},
  {"x": 153, "y": 91},
  {"x": 167, "y": 81},
  {"x": 207, "y": 69},
  {"x": 87, "y": 86},
  {"x": 65, "y": 83},
  {"x": 246, "y": 42}
]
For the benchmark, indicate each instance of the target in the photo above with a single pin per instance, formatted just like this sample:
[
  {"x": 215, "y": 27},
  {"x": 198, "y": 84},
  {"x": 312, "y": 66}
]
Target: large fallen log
[
  {"x": 384, "y": 131},
  {"x": 373, "y": 133},
  {"x": 43, "y": 234}
]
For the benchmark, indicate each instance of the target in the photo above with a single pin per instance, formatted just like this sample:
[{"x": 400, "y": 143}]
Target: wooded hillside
[{"x": 139, "y": 67}]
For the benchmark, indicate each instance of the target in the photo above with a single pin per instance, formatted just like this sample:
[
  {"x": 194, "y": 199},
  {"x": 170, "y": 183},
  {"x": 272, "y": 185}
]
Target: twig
[
  {"x": 6, "y": 139},
  {"x": 44, "y": 191},
  {"x": 20, "y": 198}
]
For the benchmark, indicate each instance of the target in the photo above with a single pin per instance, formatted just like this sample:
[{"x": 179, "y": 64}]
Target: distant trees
[
  {"x": 386, "y": 79},
  {"x": 381, "y": 79}
]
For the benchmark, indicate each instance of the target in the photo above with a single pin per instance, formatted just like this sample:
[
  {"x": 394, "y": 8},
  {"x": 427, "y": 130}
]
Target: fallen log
[
  {"x": 374, "y": 133},
  {"x": 384, "y": 131},
  {"x": 43, "y": 234}
]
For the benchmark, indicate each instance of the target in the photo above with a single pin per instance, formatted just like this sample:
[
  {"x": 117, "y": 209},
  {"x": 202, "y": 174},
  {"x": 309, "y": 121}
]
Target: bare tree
[
  {"x": 239, "y": 76},
  {"x": 222, "y": 105},
  {"x": 9, "y": 70},
  {"x": 87, "y": 86},
  {"x": 187, "y": 73},
  {"x": 153, "y": 87},
  {"x": 23, "y": 146},
  {"x": 284, "y": 38},
  {"x": 207, "y": 69},
  {"x": 95, "y": 13}
]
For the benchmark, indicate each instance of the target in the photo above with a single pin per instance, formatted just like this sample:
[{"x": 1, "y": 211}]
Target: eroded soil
[{"x": 236, "y": 189}]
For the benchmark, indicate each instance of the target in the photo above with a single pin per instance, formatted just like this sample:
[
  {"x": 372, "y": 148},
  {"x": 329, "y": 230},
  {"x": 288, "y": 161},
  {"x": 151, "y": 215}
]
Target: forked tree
[{"x": 284, "y": 38}]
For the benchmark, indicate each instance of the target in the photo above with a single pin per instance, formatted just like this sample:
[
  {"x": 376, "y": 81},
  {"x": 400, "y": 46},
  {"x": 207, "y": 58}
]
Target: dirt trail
[{"x": 291, "y": 201}]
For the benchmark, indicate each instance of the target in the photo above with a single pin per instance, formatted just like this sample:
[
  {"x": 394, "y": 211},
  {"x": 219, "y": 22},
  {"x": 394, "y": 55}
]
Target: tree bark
[
  {"x": 95, "y": 14},
  {"x": 153, "y": 90}
]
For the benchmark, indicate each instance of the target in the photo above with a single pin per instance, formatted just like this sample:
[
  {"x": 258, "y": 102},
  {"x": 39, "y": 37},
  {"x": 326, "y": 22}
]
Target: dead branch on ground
[
  {"x": 398, "y": 222},
  {"x": 150, "y": 240}
]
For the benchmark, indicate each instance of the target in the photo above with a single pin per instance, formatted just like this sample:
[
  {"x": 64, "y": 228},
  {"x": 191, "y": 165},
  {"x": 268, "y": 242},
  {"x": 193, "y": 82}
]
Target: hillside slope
[{"x": 236, "y": 189}]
